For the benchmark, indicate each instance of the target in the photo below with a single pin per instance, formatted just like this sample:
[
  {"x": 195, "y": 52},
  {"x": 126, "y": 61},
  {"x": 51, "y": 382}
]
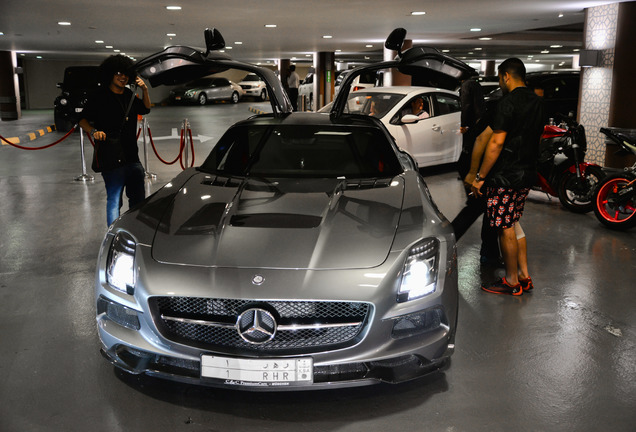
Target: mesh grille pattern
[{"x": 287, "y": 313}]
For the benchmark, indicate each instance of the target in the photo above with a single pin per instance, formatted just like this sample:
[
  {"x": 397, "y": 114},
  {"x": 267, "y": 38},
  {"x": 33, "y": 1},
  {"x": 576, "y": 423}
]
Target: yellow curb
[{"x": 14, "y": 140}]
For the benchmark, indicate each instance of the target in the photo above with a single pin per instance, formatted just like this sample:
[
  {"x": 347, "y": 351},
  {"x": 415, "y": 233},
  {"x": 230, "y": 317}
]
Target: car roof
[{"x": 405, "y": 90}]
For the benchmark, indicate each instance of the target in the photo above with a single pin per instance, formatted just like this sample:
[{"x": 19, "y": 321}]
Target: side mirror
[
  {"x": 409, "y": 119},
  {"x": 213, "y": 40},
  {"x": 395, "y": 40}
]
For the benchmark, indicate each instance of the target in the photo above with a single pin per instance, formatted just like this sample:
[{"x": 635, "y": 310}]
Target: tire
[
  {"x": 62, "y": 124},
  {"x": 576, "y": 197},
  {"x": 610, "y": 213},
  {"x": 235, "y": 98},
  {"x": 263, "y": 96},
  {"x": 203, "y": 99},
  {"x": 310, "y": 107}
]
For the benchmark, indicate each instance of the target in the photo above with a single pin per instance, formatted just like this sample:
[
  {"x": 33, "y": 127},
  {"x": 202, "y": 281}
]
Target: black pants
[
  {"x": 293, "y": 96},
  {"x": 474, "y": 208}
]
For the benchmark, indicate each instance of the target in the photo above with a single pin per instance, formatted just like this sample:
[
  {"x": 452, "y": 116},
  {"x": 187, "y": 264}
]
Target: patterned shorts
[{"x": 505, "y": 206}]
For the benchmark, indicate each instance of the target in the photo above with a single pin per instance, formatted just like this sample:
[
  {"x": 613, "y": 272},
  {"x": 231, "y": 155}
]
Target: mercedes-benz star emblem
[{"x": 256, "y": 326}]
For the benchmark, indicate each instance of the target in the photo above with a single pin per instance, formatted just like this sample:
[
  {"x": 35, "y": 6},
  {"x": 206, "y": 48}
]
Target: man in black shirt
[
  {"x": 509, "y": 170},
  {"x": 111, "y": 115}
]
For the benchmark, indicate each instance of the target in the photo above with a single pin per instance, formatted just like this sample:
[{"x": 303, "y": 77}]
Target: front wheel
[
  {"x": 576, "y": 194},
  {"x": 235, "y": 97},
  {"x": 203, "y": 99},
  {"x": 612, "y": 208},
  {"x": 263, "y": 96}
]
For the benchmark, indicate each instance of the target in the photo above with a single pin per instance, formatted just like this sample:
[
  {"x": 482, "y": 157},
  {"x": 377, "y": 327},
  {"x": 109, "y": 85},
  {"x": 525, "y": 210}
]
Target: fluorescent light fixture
[
  {"x": 238, "y": 43},
  {"x": 369, "y": 46},
  {"x": 556, "y": 46},
  {"x": 327, "y": 37},
  {"x": 475, "y": 29},
  {"x": 485, "y": 38},
  {"x": 418, "y": 13},
  {"x": 109, "y": 46},
  {"x": 545, "y": 52},
  {"x": 560, "y": 15},
  {"x": 173, "y": 8},
  {"x": 64, "y": 23},
  {"x": 270, "y": 25},
  {"x": 99, "y": 41},
  {"x": 171, "y": 34},
  {"x": 445, "y": 51}
]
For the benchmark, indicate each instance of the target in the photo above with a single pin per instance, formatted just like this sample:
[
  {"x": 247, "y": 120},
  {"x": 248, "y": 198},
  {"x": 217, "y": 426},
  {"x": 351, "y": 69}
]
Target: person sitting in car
[{"x": 417, "y": 108}]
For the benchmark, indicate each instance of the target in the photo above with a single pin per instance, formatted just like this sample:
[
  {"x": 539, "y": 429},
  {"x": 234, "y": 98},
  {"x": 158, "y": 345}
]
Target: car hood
[{"x": 284, "y": 223}]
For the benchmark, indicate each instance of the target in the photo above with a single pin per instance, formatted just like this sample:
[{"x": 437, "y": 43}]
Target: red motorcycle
[
  {"x": 562, "y": 171},
  {"x": 615, "y": 197}
]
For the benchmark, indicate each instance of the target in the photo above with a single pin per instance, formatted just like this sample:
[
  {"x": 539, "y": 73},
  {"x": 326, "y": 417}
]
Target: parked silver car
[
  {"x": 305, "y": 252},
  {"x": 203, "y": 90}
]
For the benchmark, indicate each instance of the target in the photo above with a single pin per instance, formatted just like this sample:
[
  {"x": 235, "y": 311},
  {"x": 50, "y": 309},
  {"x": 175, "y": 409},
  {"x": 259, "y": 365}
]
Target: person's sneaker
[
  {"x": 501, "y": 286},
  {"x": 526, "y": 284}
]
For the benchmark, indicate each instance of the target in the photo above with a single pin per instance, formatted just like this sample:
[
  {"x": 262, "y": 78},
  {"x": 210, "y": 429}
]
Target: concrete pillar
[
  {"x": 283, "y": 71},
  {"x": 489, "y": 67},
  {"x": 395, "y": 77},
  {"x": 607, "y": 93},
  {"x": 622, "y": 113},
  {"x": 9, "y": 89},
  {"x": 324, "y": 78}
]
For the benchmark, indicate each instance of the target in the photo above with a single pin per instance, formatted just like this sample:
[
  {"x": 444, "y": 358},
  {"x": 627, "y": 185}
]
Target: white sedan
[{"x": 429, "y": 132}]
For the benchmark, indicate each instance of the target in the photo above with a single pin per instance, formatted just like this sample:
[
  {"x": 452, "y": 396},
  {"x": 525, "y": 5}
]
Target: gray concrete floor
[{"x": 562, "y": 358}]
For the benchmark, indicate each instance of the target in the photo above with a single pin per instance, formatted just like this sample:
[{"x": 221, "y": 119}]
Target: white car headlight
[
  {"x": 120, "y": 266},
  {"x": 419, "y": 277},
  {"x": 190, "y": 93}
]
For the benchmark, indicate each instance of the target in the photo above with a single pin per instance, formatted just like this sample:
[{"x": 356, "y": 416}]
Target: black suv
[
  {"x": 79, "y": 82},
  {"x": 560, "y": 91}
]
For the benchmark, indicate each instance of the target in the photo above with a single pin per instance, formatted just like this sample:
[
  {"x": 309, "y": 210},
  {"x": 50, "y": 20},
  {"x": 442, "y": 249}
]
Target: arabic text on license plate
[{"x": 262, "y": 371}]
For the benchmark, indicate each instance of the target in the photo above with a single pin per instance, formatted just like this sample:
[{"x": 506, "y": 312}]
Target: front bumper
[{"x": 382, "y": 352}]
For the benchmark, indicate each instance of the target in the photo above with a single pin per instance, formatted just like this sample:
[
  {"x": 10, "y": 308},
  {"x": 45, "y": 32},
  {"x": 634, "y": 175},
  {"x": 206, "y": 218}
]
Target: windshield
[
  {"x": 304, "y": 152},
  {"x": 372, "y": 103},
  {"x": 251, "y": 78}
]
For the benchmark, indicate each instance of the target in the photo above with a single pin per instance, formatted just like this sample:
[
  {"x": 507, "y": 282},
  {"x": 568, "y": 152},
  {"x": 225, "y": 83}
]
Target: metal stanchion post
[
  {"x": 144, "y": 126},
  {"x": 83, "y": 177},
  {"x": 186, "y": 137}
]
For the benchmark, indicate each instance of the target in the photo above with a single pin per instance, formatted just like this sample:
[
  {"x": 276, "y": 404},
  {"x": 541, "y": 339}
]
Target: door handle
[{"x": 436, "y": 128}]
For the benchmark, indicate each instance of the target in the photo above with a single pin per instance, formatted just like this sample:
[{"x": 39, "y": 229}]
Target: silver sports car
[{"x": 305, "y": 252}]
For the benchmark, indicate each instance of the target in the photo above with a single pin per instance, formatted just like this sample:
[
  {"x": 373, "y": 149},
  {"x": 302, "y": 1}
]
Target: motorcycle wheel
[
  {"x": 576, "y": 196},
  {"x": 615, "y": 215}
]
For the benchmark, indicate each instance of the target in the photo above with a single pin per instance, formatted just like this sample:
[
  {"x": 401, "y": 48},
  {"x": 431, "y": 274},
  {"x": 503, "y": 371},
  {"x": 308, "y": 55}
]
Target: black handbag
[{"x": 109, "y": 154}]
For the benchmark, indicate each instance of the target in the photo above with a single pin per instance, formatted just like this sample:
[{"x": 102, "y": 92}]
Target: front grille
[{"x": 303, "y": 326}]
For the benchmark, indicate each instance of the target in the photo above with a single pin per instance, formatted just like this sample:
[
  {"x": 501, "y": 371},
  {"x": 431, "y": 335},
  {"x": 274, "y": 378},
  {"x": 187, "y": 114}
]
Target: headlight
[
  {"x": 63, "y": 102},
  {"x": 419, "y": 277},
  {"x": 120, "y": 266},
  {"x": 189, "y": 93}
]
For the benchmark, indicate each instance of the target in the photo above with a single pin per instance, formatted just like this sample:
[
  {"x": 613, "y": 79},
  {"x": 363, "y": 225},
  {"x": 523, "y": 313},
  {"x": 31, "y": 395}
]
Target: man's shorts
[{"x": 505, "y": 206}]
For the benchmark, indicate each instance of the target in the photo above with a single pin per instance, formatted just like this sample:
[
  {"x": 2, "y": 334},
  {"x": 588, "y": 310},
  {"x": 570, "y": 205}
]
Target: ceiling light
[
  {"x": 238, "y": 43},
  {"x": 117, "y": 51},
  {"x": 308, "y": 55},
  {"x": 327, "y": 37},
  {"x": 38, "y": 57},
  {"x": 445, "y": 51},
  {"x": 475, "y": 29},
  {"x": 369, "y": 46},
  {"x": 418, "y": 13},
  {"x": 576, "y": 50},
  {"x": 1, "y": 34},
  {"x": 64, "y": 23},
  {"x": 338, "y": 50},
  {"x": 485, "y": 38},
  {"x": 471, "y": 53},
  {"x": 477, "y": 49},
  {"x": 109, "y": 46},
  {"x": 229, "y": 47},
  {"x": 99, "y": 41},
  {"x": 171, "y": 34},
  {"x": 545, "y": 52},
  {"x": 556, "y": 46},
  {"x": 270, "y": 25},
  {"x": 173, "y": 8},
  {"x": 560, "y": 15}
]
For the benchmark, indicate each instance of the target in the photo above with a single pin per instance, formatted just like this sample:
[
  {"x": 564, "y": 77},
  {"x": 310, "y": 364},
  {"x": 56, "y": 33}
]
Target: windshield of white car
[
  {"x": 251, "y": 78},
  {"x": 305, "y": 152},
  {"x": 375, "y": 104}
]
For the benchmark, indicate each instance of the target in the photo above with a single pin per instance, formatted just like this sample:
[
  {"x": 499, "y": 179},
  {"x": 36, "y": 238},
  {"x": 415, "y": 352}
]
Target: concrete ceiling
[{"x": 142, "y": 27}]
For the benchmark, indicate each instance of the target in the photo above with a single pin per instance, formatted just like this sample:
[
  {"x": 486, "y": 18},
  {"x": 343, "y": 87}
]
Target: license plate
[
  {"x": 177, "y": 98},
  {"x": 258, "y": 372}
]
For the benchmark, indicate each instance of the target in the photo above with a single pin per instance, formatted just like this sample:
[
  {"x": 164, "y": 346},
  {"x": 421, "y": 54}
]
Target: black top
[
  {"x": 471, "y": 97},
  {"x": 520, "y": 115},
  {"x": 105, "y": 110}
]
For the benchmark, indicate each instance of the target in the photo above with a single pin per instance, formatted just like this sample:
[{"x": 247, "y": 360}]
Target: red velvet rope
[{"x": 39, "y": 148}]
